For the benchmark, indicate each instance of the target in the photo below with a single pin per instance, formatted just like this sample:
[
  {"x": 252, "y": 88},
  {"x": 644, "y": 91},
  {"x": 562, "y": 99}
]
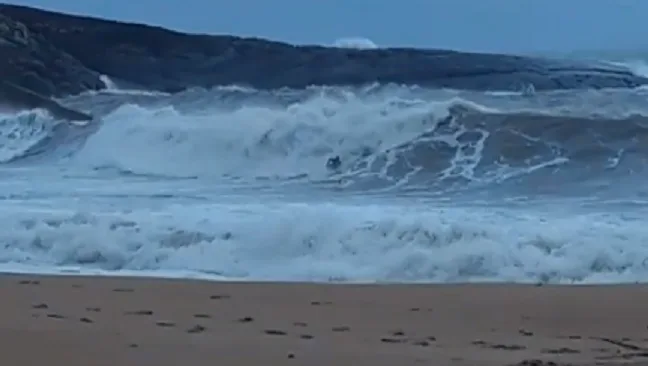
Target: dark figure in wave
[{"x": 334, "y": 163}]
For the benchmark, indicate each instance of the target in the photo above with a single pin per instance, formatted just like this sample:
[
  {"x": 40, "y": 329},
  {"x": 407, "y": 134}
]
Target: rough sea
[{"x": 432, "y": 185}]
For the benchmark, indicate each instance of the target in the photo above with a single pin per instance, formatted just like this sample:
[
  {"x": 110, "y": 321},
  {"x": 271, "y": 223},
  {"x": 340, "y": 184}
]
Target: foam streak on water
[{"x": 232, "y": 183}]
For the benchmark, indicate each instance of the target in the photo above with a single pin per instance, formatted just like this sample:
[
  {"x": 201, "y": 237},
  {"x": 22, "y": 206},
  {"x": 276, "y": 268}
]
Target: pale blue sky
[{"x": 478, "y": 25}]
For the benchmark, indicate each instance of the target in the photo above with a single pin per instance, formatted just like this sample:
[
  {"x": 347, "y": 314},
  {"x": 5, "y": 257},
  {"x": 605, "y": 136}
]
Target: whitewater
[{"x": 232, "y": 183}]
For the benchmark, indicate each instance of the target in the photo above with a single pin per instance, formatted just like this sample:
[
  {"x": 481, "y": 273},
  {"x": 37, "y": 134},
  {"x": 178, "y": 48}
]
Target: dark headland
[{"x": 55, "y": 54}]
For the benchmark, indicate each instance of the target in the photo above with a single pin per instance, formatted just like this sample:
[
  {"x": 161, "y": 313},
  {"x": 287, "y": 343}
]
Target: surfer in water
[{"x": 334, "y": 163}]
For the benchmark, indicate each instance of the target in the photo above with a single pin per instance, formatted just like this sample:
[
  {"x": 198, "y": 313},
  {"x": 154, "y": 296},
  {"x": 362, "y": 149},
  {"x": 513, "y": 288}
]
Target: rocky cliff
[
  {"x": 57, "y": 54},
  {"x": 30, "y": 60}
]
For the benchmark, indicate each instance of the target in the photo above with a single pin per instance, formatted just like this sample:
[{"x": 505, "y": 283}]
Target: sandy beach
[{"x": 134, "y": 321}]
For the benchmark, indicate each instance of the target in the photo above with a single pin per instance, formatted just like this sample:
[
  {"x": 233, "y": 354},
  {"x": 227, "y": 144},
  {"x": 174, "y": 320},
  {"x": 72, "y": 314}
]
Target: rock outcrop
[
  {"x": 28, "y": 59},
  {"x": 57, "y": 54},
  {"x": 15, "y": 97}
]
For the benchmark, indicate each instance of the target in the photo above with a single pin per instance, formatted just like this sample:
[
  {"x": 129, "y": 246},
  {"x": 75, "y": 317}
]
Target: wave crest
[
  {"x": 355, "y": 42},
  {"x": 385, "y": 138}
]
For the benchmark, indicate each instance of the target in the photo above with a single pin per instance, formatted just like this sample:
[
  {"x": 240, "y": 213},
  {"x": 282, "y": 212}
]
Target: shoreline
[
  {"x": 104, "y": 320},
  {"x": 182, "y": 277},
  {"x": 433, "y": 286}
]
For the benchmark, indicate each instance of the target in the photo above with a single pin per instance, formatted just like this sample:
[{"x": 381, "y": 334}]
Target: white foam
[
  {"x": 360, "y": 43},
  {"x": 328, "y": 242},
  {"x": 110, "y": 85},
  {"x": 20, "y": 131},
  {"x": 255, "y": 141},
  {"x": 638, "y": 67},
  {"x": 113, "y": 88}
]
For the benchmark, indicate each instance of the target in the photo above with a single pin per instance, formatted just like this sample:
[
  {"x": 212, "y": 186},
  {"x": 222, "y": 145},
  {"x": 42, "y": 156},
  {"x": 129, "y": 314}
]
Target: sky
[{"x": 522, "y": 26}]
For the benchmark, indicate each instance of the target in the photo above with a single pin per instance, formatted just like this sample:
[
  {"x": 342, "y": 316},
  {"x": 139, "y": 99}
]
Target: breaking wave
[
  {"x": 331, "y": 242},
  {"x": 384, "y": 138},
  {"x": 431, "y": 185},
  {"x": 355, "y": 42}
]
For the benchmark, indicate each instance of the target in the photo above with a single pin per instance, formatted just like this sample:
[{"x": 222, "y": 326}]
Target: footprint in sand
[
  {"x": 164, "y": 324},
  {"x": 317, "y": 303},
  {"x": 391, "y": 340},
  {"x": 341, "y": 329},
  {"x": 139, "y": 312},
  {"x": 560, "y": 351},
  {"x": 29, "y": 282},
  {"x": 196, "y": 329},
  {"x": 275, "y": 332},
  {"x": 123, "y": 290},
  {"x": 421, "y": 343},
  {"x": 246, "y": 319}
]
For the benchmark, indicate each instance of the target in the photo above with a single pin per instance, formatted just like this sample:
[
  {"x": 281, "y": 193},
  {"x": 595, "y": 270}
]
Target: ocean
[{"x": 429, "y": 185}]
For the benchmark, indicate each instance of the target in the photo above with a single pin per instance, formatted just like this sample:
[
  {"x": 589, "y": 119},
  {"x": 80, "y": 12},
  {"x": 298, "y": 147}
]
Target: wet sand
[{"x": 88, "y": 321}]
